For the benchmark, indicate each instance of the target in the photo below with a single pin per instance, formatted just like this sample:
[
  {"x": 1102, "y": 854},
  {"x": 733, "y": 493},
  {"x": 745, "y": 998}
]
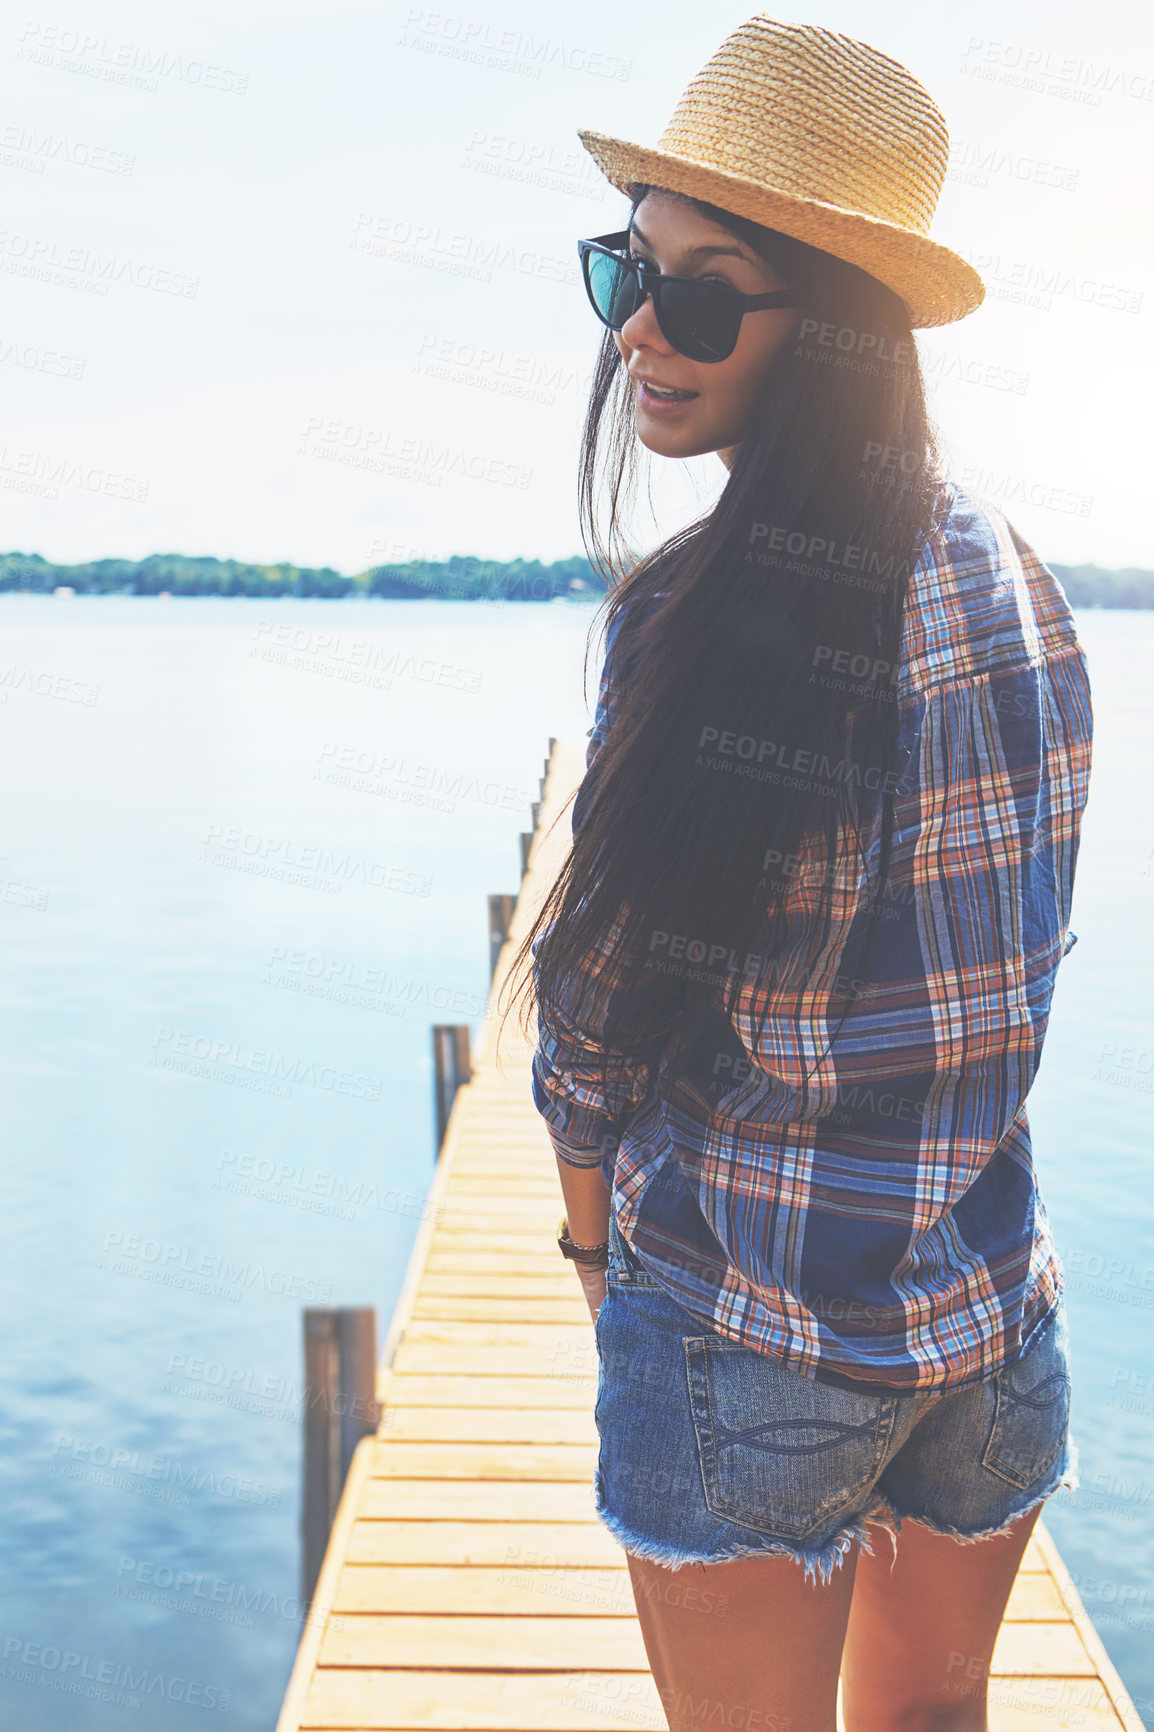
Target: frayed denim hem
[
  {"x": 1069, "y": 1481},
  {"x": 819, "y": 1562}
]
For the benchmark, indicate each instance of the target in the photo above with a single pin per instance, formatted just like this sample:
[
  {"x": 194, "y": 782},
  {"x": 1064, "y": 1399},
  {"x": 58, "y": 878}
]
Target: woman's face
[{"x": 682, "y": 242}]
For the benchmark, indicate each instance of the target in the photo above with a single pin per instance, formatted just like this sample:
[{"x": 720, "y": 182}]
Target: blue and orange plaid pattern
[{"x": 866, "y": 1210}]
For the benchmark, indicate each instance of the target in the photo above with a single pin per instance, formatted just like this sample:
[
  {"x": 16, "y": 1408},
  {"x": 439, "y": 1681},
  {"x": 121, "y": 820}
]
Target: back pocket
[
  {"x": 1031, "y": 1411},
  {"x": 780, "y": 1452}
]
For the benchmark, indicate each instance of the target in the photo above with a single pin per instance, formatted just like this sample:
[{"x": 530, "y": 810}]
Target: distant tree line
[
  {"x": 459, "y": 578},
  {"x": 1091, "y": 586}
]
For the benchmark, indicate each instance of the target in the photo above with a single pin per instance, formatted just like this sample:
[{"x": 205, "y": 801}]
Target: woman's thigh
[
  {"x": 749, "y": 1645},
  {"x": 923, "y": 1627}
]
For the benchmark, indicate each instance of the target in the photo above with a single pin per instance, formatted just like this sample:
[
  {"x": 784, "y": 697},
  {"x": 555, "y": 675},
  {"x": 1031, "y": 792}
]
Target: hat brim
[{"x": 936, "y": 284}]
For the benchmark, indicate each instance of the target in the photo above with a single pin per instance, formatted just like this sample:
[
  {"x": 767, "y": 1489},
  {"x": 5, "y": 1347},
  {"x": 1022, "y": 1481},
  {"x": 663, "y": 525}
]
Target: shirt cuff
[{"x": 581, "y": 1136}]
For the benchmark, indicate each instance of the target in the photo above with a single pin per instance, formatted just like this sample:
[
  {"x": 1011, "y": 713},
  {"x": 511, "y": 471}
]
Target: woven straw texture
[{"x": 822, "y": 137}]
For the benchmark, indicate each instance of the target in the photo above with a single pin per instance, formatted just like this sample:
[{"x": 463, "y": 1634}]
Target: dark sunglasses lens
[
  {"x": 700, "y": 322},
  {"x": 612, "y": 289},
  {"x": 703, "y": 325}
]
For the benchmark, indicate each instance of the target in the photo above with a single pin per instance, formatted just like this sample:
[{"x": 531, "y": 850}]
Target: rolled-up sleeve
[{"x": 568, "y": 1093}]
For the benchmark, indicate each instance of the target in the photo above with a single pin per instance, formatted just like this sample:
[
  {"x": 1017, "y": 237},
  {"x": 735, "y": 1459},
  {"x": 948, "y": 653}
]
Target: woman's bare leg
[
  {"x": 748, "y": 1645},
  {"x": 921, "y": 1634}
]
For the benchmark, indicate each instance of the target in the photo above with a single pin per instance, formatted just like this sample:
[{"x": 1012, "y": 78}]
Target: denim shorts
[{"x": 710, "y": 1450}]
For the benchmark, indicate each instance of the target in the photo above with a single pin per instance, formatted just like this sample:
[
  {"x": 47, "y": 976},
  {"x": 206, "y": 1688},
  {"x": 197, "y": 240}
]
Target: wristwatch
[{"x": 597, "y": 1256}]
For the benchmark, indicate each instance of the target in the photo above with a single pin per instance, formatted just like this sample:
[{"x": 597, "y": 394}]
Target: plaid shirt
[{"x": 881, "y": 1223}]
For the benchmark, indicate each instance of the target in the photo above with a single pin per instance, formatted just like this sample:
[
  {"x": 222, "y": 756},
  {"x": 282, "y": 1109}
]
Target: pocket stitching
[
  {"x": 1006, "y": 1399},
  {"x": 698, "y": 1347}
]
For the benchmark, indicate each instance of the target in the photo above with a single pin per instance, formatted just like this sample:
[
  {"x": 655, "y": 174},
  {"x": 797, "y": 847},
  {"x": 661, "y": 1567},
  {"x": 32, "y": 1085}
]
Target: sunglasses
[{"x": 701, "y": 320}]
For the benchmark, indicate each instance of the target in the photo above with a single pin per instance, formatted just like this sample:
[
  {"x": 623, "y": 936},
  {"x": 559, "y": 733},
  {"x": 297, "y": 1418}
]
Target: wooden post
[
  {"x": 500, "y": 915},
  {"x": 340, "y": 1408},
  {"x": 452, "y": 1066},
  {"x": 534, "y": 813}
]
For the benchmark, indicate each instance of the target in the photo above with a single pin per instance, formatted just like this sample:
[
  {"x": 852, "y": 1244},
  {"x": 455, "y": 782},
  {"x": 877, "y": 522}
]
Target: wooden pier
[{"x": 467, "y": 1582}]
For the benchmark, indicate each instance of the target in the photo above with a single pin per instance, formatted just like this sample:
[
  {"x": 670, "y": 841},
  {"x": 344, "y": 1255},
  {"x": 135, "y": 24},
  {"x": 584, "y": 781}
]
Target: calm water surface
[{"x": 246, "y": 852}]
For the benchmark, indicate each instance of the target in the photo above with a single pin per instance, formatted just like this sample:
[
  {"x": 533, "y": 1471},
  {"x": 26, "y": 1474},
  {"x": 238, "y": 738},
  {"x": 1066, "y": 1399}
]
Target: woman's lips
[{"x": 655, "y": 405}]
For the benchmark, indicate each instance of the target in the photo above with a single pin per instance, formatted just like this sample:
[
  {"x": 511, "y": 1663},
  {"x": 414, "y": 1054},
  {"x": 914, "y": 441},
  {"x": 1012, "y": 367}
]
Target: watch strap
[{"x": 595, "y": 1255}]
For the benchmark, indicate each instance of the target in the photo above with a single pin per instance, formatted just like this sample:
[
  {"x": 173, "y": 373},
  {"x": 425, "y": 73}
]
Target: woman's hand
[{"x": 593, "y": 1283}]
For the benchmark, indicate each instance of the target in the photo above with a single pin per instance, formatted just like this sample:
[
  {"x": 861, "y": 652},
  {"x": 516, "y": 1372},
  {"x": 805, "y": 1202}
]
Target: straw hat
[{"x": 822, "y": 137}]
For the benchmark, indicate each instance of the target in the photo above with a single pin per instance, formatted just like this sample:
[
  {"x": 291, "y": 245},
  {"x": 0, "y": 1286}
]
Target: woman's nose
[{"x": 641, "y": 327}]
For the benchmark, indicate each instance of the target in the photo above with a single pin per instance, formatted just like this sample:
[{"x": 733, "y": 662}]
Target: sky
[{"x": 299, "y": 281}]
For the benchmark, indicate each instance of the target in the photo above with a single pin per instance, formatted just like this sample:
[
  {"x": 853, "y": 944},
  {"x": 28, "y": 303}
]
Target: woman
[{"x": 794, "y": 978}]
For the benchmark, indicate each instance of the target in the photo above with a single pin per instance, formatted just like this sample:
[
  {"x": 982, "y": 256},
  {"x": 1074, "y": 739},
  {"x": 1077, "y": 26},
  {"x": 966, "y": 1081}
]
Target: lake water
[{"x": 246, "y": 852}]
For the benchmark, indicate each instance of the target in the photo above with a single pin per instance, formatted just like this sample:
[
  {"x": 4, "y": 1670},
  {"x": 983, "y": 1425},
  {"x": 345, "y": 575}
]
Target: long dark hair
[{"x": 755, "y": 668}]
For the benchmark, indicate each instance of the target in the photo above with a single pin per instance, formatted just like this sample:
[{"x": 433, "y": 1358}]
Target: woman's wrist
[{"x": 593, "y": 1285}]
